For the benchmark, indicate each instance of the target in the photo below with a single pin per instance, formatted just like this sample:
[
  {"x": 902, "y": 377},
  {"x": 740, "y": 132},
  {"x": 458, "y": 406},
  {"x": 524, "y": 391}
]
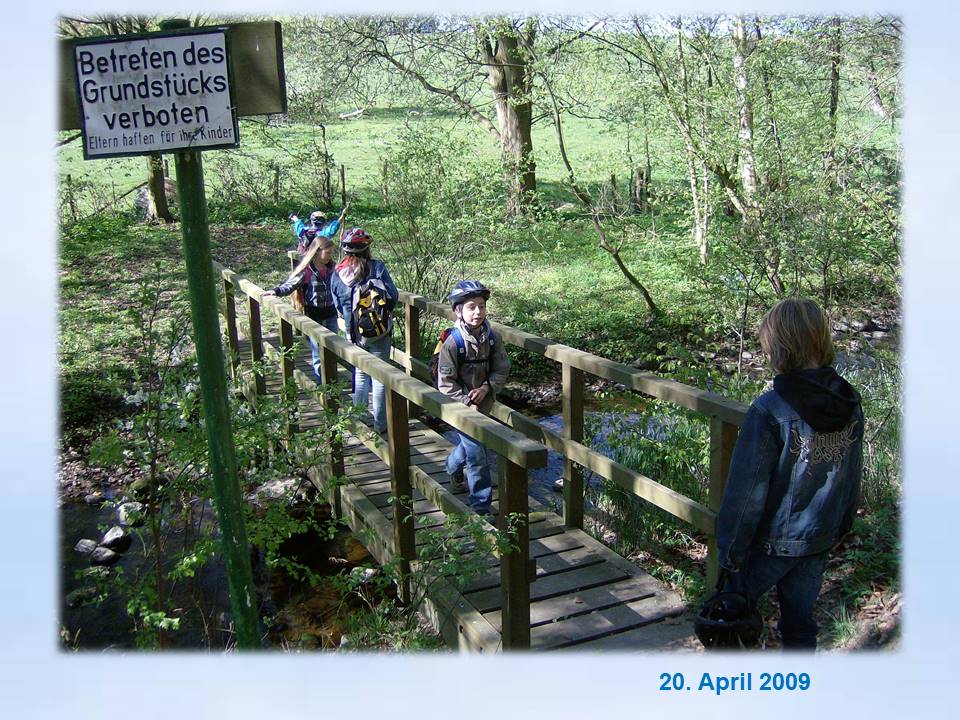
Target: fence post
[
  {"x": 255, "y": 334},
  {"x": 723, "y": 436},
  {"x": 398, "y": 427},
  {"x": 385, "y": 189},
  {"x": 72, "y": 200},
  {"x": 572, "y": 430},
  {"x": 328, "y": 376},
  {"x": 411, "y": 340},
  {"x": 286, "y": 368},
  {"x": 233, "y": 342},
  {"x": 514, "y": 571}
]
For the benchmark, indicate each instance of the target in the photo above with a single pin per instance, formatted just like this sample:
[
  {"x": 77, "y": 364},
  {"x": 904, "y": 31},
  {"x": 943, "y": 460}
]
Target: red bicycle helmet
[{"x": 355, "y": 241}]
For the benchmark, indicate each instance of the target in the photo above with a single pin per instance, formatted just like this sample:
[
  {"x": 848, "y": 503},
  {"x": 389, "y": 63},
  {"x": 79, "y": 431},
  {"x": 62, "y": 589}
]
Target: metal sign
[{"x": 155, "y": 93}]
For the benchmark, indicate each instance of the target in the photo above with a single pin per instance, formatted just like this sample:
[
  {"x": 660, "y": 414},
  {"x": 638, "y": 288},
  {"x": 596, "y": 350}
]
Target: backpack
[
  {"x": 461, "y": 352},
  {"x": 372, "y": 308}
]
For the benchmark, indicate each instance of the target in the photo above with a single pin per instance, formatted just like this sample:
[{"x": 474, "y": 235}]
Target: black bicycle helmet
[
  {"x": 355, "y": 241},
  {"x": 728, "y": 620},
  {"x": 467, "y": 289}
]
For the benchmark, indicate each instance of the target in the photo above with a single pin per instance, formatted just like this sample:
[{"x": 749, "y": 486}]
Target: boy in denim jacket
[{"x": 795, "y": 472}]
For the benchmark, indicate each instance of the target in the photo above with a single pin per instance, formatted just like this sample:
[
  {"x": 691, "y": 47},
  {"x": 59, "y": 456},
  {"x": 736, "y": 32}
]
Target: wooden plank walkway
[{"x": 583, "y": 596}]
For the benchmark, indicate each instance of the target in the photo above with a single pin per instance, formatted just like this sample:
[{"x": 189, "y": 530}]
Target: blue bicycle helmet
[{"x": 467, "y": 289}]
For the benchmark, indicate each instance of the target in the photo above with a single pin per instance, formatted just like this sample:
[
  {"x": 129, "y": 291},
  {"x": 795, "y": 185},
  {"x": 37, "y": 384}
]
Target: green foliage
[
  {"x": 668, "y": 445},
  {"x": 443, "y": 205},
  {"x": 458, "y": 552},
  {"x": 163, "y": 438},
  {"x": 871, "y": 555},
  {"x": 881, "y": 393}
]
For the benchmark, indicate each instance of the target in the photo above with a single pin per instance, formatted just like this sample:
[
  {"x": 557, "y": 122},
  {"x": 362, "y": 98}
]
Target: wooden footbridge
[{"x": 557, "y": 587}]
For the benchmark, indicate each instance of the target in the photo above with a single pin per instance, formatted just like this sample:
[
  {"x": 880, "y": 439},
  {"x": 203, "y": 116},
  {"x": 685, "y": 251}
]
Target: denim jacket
[
  {"x": 791, "y": 491},
  {"x": 343, "y": 293}
]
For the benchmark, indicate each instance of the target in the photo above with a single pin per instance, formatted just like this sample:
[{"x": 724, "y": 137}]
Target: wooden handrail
[
  {"x": 725, "y": 415},
  {"x": 678, "y": 505},
  {"x": 502, "y": 440},
  {"x": 687, "y": 396}
]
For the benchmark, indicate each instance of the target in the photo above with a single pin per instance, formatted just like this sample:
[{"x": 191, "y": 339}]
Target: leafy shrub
[
  {"x": 87, "y": 396},
  {"x": 444, "y": 208}
]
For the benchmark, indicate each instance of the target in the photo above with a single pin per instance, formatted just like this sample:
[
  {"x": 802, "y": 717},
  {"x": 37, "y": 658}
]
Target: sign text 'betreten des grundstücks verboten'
[{"x": 155, "y": 93}]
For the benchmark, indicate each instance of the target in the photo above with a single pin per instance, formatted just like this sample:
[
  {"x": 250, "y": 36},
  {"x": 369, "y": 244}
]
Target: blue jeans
[
  {"x": 361, "y": 381},
  {"x": 798, "y": 581},
  {"x": 471, "y": 454},
  {"x": 331, "y": 325}
]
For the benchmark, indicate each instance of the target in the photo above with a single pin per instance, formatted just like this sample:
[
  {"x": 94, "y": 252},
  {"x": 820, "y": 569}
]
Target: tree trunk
[
  {"x": 741, "y": 79},
  {"x": 873, "y": 89},
  {"x": 774, "y": 183},
  {"x": 751, "y": 225},
  {"x": 157, "y": 208},
  {"x": 509, "y": 75},
  {"x": 834, "y": 85}
]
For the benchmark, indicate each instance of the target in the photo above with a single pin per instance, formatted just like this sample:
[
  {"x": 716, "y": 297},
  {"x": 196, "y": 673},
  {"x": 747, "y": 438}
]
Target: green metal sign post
[
  {"x": 213, "y": 388},
  {"x": 95, "y": 82}
]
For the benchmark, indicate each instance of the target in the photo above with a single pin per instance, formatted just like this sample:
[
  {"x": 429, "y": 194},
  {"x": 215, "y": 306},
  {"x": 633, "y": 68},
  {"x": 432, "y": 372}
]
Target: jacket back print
[{"x": 794, "y": 477}]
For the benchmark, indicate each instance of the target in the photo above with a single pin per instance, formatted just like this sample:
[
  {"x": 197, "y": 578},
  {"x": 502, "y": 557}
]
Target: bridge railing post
[
  {"x": 723, "y": 436},
  {"x": 233, "y": 341},
  {"x": 255, "y": 335},
  {"x": 286, "y": 370},
  {"x": 398, "y": 448},
  {"x": 328, "y": 375},
  {"x": 514, "y": 522},
  {"x": 572, "y": 430},
  {"x": 411, "y": 342}
]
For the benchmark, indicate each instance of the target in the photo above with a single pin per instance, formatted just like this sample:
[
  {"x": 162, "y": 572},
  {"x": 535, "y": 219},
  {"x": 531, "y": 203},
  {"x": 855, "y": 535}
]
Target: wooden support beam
[
  {"x": 255, "y": 335},
  {"x": 328, "y": 376},
  {"x": 398, "y": 428},
  {"x": 677, "y": 393},
  {"x": 697, "y": 514},
  {"x": 411, "y": 343},
  {"x": 492, "y": 434},
  {"x": 514, "y": 522},
  {"x": 572, "y": 430},
  {"x": 286, "y": 366},
  {"x": 723, "y": 437},
  {"x": 230, "y": 313}
]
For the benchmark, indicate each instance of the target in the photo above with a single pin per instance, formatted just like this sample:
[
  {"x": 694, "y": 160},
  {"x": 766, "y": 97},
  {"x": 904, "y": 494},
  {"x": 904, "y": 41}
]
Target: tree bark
[
  {"x": 158, "y": 207},
  {"x": 873, "y": 89},
  {"x": 508, "y": 73},
  {"x": 751, "y": 224},
  {"x": 834, "y": 85}
]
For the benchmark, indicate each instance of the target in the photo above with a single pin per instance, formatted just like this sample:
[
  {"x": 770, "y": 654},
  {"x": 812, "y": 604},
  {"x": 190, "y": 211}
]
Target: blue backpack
[{"x": 461, "y": 352}]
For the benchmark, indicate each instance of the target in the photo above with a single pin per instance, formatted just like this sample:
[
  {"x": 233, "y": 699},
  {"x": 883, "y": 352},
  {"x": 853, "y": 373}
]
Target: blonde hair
[
  {"x": 795, "y": 334},
  {"x": 319, "y": 242}
]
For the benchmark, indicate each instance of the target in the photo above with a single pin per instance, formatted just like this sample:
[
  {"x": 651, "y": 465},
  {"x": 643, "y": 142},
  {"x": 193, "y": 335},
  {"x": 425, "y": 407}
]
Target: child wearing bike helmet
[
  {"x": 359, "y": 277},
  {"x": 313, "y": 275},
  {"x": 795, "y": 472},
  {"x": 472, "y": 367},
  {"x": 318, "y": 227}
]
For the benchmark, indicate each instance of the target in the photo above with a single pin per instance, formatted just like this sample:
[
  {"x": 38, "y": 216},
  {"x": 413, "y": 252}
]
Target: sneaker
[{"x": 458, "y": 481}]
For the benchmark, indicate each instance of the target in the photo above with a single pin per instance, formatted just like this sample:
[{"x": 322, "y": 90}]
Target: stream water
[{"x": 302, "y": 617}]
